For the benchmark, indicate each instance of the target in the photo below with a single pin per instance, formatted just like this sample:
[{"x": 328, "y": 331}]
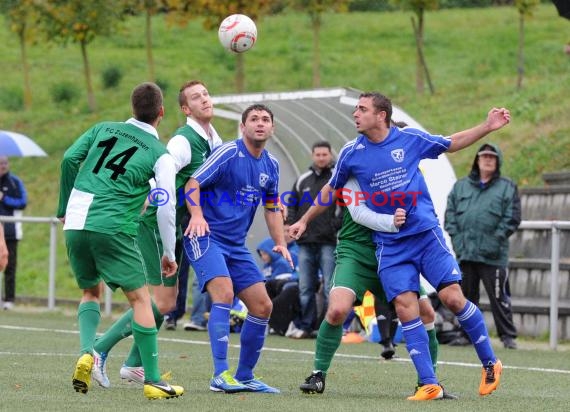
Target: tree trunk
[
  {"x": 316, "y": 20},
  {"x": 149, "y": 58},
  {"x": 240, "y": 73},
  {"x": 520, "y": 65},
  {"x": 422, "y": 57},
  {"x": 26, "y": 71},
  {"x": 420, "y": 43},
  {"x": 90, "y": 95}
]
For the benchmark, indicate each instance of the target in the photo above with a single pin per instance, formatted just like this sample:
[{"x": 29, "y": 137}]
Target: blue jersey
[
  {"x": 232, "y": 184},
  {"x": 388, "y": 174}
]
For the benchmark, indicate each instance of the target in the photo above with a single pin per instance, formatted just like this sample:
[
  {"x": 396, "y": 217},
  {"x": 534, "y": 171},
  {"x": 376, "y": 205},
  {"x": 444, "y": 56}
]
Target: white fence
[{"x": 555, "y": 226}]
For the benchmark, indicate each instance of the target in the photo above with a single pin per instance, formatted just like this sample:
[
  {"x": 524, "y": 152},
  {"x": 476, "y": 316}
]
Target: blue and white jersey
[
  {"x": 232, "y": 184},
  {"x": 388, "y": 173}
]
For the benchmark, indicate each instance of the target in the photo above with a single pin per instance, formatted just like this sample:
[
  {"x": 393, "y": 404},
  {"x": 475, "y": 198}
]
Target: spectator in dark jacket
[
  {"x": 483, "y": 210},
  {"x": 13, "y": 198},
  {"x": 316, "y": 246}
]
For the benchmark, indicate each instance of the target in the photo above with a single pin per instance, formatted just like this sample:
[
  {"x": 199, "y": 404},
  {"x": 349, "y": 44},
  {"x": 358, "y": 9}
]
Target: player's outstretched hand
[
  {"x": 297, "y": 229},
  {"x": 168, "y": 266},
  {"x": 399, "y": 217},
  {"x": 497, "y": 118}
]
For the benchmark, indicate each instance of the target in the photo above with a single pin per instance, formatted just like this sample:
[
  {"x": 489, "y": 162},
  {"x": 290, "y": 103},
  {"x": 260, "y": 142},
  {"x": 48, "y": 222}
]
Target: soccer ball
[{"x": 237, "y": 33}]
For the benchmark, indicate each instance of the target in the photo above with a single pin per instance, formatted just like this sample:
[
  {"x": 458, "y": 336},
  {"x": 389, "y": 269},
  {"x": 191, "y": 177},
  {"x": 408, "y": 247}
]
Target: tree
[
  {"x": 419, "y": 7},
  {"x": 22, "y": 18},
  {"x": 217, "y": 10},
  {"x": 525, "y": 9},
  {"x": 81, "y": 22},
  {"x": 315, "y": 9}
]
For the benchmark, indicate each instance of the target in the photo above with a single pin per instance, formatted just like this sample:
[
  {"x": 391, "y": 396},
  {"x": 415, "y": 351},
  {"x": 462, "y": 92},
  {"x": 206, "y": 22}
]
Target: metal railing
[{"x": 555, "y": 226}]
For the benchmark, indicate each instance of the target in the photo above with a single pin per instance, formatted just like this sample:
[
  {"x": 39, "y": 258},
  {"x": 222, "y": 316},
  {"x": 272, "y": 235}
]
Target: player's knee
[
  {"x": 261, "y": 309},
  {"x": 336, "y": 315},
  {"x": 454, "y": 302},
  {"x": 427, "y": 314},
  {"x": 165, "y": 307}
]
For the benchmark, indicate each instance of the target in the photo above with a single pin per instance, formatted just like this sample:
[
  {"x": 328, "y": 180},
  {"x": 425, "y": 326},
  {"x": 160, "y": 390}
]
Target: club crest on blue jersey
[
  {"x": 263, "y": 178},
  {"x": 398, "y": 155}
]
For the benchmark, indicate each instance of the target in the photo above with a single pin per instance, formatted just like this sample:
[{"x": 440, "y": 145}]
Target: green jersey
[
  {"x": 105, "y": 177},
  {"x": 355, "y": 232},
  {"x": 190, "y": 147}
]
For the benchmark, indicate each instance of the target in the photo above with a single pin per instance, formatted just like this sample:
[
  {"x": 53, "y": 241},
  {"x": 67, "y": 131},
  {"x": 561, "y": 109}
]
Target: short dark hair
[
  {"x": 256, "y": 107},
  {"x": 181, "y": 96},
  {"x": 381, "y": 103},
  {"x": 146, "y": 100},
  {"x": 322, "y": 143}
]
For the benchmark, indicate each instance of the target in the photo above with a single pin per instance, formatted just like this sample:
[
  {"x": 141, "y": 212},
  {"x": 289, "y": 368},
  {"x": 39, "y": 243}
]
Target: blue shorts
[
  {"x": 211, "y": 259},
  {"x": 400, "y": 261}
]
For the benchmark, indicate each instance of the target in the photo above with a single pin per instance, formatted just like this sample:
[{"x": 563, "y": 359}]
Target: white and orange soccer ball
[{"x": 237, "y": 33}]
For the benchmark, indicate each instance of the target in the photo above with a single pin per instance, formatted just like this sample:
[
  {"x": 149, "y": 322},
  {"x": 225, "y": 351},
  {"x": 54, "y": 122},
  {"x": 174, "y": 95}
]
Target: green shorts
[
  {"x": 356, "y": 269},
  {"x": 115, "y": 259},
  {"x": 150, "y": 244}
]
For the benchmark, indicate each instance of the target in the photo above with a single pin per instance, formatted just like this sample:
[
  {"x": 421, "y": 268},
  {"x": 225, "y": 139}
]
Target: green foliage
[
  {"x": 163, "y": 84},
  {"x": 526, "y": 7},
  {"x": 79, "y": 21},
  {"x": 111, "y": 77},
  {"x": 366, "y": 5},
  {"x": 11, "y": 99},
  {"x": 471, "y": 69},
  {"x": 64, "y": 93}
]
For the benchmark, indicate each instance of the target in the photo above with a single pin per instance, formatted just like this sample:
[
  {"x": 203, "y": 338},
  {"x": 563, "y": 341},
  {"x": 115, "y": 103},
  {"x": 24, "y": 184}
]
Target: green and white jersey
[
  {"x": 359, "y": 224},
  {"x": 104, "y": 180},
  {"x": 190, "y": 146}
]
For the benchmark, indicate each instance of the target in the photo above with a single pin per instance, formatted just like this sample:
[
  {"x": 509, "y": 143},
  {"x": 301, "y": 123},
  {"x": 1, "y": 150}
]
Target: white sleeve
[
  {"x": 179, "y": 148},
  {"x": 165, "y": 174},
  {"x": 364, "y": 216}
]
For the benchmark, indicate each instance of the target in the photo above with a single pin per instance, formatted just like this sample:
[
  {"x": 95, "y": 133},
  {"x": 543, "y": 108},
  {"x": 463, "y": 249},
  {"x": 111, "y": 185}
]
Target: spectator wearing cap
[{"x": 483, "y": 210}]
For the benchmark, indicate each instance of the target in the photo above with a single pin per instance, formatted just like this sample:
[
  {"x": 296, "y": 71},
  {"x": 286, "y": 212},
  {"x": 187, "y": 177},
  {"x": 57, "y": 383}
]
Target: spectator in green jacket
[{"x": 483, "y": 210}]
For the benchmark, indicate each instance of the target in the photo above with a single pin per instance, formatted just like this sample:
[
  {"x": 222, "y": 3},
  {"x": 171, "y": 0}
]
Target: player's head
[
  {"x": 380, "y": 103},
  {"x": 258, "y": 107},
  {"x": 146, "y": 100},
  {"x": 321, "y": 154},
  {"x": 195, "y": 101},
  {"x": 257, "y": 124}
]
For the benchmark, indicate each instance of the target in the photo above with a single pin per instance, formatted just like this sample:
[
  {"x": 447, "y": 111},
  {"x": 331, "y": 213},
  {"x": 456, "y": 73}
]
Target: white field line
[{"x": 265, "y": 349}]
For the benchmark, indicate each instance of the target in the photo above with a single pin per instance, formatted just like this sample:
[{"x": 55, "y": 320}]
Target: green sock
[
  {"x": 134, "y": 358},
  {"x": 328, "y": 341},
  {"x": 88, "y": 318},
  {"x": 433, "y": 347},
  {"x": 148, "y": 348},
  {"x": 117, "y": 332}
]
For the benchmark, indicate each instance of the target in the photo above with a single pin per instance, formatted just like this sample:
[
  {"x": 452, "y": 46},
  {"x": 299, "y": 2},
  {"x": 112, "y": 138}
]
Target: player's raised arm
[{"x": 496, "y": 118}]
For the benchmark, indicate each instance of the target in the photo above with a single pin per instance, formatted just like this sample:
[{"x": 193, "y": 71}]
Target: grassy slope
[{"x": 471, "y": 55}]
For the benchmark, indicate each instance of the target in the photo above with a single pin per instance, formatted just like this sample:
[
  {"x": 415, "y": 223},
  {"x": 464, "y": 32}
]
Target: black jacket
[
  {"x": 15, "y": 198},
  {"x": 323, "y": 229}
]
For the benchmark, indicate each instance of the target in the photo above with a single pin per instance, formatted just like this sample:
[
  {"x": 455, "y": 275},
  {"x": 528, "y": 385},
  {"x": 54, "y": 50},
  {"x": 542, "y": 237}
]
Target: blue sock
[
  {"x": 417, "y": 343},
  {"x": 219, "y": 332},
  {"x": 251, "y": 340},
  {"x": 471, "y": 320}
]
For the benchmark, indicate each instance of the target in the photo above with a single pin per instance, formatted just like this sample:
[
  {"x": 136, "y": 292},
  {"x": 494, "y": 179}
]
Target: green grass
[
  {"x": 39, "y": 351},
  {"x": 471, "y": 54}
]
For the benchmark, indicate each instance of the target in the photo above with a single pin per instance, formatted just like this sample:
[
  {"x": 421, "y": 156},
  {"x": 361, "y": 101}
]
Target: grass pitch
[{"x": 38, "y": 351}]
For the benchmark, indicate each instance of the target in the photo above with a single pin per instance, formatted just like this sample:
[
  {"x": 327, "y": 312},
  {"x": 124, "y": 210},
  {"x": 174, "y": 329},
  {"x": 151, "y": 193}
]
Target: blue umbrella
[{"x": 16, "y": 144}]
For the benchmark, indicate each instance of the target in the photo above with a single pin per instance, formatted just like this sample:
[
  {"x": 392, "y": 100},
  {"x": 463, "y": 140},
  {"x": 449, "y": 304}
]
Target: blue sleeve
[
  {"x": 341, "y": 172},
  {"x": 215, "y": 166},
  {"x": 17, "y": 202},
  {"x": 429, "y": 146}
]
